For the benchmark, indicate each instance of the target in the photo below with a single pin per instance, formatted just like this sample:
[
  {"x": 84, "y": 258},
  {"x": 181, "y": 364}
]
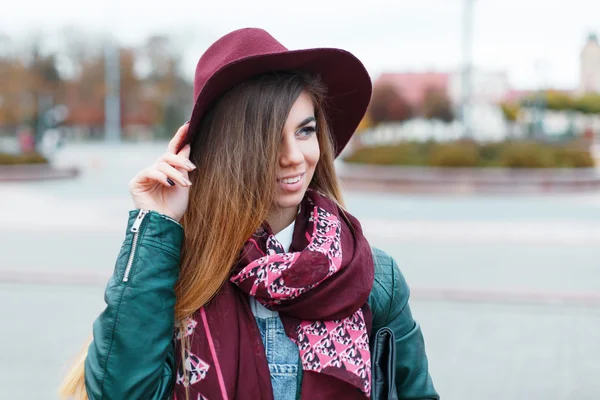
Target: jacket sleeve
[
  {"x": 131, "y": 355},
  {"x": 391, "y": 309}
]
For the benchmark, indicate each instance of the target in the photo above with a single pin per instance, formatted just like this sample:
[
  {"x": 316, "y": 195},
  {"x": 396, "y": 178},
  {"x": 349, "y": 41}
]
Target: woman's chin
[{"x": 289, "y": 200}]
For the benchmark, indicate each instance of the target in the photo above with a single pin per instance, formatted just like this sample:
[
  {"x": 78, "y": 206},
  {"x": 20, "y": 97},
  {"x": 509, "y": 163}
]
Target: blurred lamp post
[
  {"x": 539, "y": 107},
  {"x": 467, "y": 36},
  {"x": 112, "y": 99}
]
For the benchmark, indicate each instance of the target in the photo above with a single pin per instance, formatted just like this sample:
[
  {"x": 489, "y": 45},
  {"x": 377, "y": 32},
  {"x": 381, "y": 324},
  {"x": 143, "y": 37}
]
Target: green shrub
[
  {"x": 25, "y": 158},
  {"x": 558, "y": 100},
  {"x": 588, "y": 104},
  {"x": 458, "y": 154},
  {"x": 573, "y": 158},
  {"x": 489, "y": 154},
  {"x": 509, "y": 154},
  {"x": 410, "y": 153},
  {"x": 527, "y": 155},
  {"x": 511, "y": 111}
]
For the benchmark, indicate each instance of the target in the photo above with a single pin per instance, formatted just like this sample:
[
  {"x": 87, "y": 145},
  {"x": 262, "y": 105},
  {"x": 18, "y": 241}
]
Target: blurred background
[{"x": 476, "y": 167}]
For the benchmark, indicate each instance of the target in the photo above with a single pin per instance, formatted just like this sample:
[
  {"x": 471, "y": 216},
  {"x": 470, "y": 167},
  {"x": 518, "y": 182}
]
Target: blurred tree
[
  {"x": 171, "y": 93},
  {"x": 135, "y": 108},
  {"x": 558, "y": 101},
  {"x": 46, "y": 72},
  {"x": 78, "y": 48},
  {"x": 588, "y": 104},
  {"x": 437, "y": 105},
  {"x": 84, "y": 92},
  {"x": 511, "y": 112},
  {"x": 388, "y": 104},
  {"x": 43, "y": 82},
  {"x": 154, "y": 93},
  {"x": 14, "y": 104},
  {"x": 561, "y": 101}
]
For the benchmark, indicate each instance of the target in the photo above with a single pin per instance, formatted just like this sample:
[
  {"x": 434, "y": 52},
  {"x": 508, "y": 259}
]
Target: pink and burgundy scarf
[{"x": 320, "y": 288}]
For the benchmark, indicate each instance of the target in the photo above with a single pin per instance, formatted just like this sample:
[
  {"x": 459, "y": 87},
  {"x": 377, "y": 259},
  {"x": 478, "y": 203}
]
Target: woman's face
[{"x": 298, "y": 154}]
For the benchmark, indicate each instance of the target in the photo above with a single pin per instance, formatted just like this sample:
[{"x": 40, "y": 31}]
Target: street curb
[
  {"x": 35, "y": 172},
  {"x": 520, "y": 297},
  {"x": 466, "y": 180}
]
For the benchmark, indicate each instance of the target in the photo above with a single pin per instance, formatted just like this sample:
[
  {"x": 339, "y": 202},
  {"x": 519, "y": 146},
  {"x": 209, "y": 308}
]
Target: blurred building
[
  {"x": 516, "y": 95},
  {"x": 589, "y": 80},
  {"x": 489, "y": 88},
  {"x": 414, "y": 85}
]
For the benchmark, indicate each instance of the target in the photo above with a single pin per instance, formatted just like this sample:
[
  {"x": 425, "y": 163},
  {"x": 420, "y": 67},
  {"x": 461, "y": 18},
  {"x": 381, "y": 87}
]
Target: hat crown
[
  {"x": 236, "y": 45},
  {"x": 249, "y": 52}
]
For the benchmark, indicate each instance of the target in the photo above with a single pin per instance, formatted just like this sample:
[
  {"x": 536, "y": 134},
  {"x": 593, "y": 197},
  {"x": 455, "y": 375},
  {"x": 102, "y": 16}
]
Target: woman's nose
[{"x": 290, "y": 153}]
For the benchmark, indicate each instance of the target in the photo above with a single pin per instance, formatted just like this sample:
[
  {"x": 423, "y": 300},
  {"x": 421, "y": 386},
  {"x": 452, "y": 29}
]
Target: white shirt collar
[{"x": 285, "y": 236}]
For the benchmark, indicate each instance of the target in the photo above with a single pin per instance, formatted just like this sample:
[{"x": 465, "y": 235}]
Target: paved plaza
[{"x": 506, "y": 288}]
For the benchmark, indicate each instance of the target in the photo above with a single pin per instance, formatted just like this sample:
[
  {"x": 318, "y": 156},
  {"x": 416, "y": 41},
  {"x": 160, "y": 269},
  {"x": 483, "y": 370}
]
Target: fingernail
[
  {"x": 170, "y": 182},
  {"x": 190, "y": 164},
  {"x": 189, "y": 183},
  {"x": 187, "y": 122}
]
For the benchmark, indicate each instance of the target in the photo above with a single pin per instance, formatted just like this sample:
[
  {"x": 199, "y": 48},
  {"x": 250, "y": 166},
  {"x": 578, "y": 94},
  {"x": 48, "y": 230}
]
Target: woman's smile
[{"x": 291, "y": 184}]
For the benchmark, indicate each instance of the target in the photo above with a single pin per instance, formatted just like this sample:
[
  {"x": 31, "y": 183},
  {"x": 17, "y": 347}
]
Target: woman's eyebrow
[{"x": 306, "y": 121}]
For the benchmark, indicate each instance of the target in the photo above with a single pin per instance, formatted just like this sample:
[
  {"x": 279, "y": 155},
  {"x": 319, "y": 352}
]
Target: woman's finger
[
  {"x": 178, "y": 161},
  {"x": 185, "y": 151},
  {"x": 154, "y": 175},
  {"x": 173, "y": 173},
  {"x": 176, "y": 141}
]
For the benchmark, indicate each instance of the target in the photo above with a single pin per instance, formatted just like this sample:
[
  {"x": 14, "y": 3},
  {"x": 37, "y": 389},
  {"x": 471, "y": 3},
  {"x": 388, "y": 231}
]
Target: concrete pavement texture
[{"x": 506, "y": 288}]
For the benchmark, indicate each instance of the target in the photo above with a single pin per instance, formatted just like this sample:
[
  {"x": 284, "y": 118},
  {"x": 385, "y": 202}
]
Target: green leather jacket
[{"x": 131, "y": 356}]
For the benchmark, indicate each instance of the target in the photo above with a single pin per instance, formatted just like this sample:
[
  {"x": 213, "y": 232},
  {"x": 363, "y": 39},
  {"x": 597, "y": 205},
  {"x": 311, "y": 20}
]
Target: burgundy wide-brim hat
[{"x": 245, "y": 53}]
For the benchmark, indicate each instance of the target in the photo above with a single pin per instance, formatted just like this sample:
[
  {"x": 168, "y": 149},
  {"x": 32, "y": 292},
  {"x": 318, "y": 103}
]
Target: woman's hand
[{"x": 164, "y": 186}]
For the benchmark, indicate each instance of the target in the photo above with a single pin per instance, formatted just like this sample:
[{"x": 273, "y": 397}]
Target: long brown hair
[{"x": 236, "y": 152}]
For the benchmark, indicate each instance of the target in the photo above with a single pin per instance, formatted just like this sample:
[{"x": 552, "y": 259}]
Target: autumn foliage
[
  {"x": 157, "y": 97},
  {"x": 388, "y": 104}
]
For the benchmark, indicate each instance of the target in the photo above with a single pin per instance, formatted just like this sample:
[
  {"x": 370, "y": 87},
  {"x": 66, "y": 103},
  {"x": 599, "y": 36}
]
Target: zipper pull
[{"x": 138, "y": 221}]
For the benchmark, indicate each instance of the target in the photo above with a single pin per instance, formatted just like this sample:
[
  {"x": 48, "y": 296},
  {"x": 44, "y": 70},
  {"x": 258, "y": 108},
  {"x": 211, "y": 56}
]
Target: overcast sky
[{"x": 533, "y": 40}]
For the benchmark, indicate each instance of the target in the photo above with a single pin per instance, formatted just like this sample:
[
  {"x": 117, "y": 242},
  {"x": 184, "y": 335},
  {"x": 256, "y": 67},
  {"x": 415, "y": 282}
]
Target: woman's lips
[{"x": 293, "y": 186}]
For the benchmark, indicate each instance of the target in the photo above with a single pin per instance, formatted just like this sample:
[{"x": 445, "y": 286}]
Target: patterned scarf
[{"x": 320, "y": 288}]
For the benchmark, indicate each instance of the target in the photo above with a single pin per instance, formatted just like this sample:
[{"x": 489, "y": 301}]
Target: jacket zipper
[{"x": 136, "y": 232}]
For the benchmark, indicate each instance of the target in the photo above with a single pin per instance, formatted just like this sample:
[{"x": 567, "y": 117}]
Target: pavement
[
  {"x": 34, "y": 172},
  {"x": 468, "y": 180},
  {"x": 505, "y": 287}
]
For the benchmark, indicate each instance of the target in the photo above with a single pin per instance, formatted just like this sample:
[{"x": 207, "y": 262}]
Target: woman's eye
[{"x": 306, "y": 131}]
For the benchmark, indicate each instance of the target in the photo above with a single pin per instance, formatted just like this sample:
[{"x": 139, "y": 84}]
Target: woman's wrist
[{"x": 165, "y": 215}]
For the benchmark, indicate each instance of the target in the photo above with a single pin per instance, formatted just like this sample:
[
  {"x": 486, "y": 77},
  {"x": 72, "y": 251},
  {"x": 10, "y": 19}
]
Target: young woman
[{"x": 241, "y": 275}]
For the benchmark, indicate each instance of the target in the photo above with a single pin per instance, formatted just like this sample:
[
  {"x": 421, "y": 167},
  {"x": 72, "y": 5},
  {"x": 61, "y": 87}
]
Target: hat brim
[{"x": 348, "y": 86}]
